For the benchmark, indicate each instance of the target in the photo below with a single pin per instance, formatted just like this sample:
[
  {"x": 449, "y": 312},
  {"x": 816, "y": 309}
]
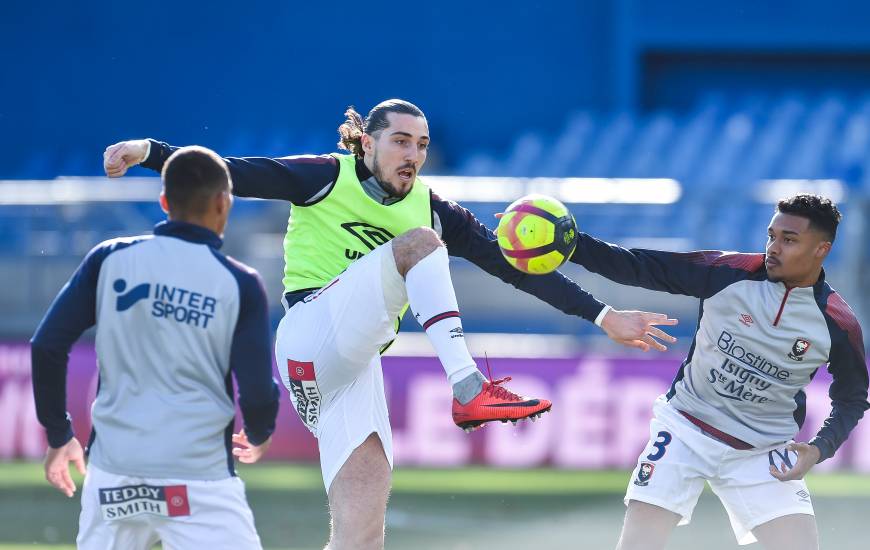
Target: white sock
[{"x": 433, "y": 300}]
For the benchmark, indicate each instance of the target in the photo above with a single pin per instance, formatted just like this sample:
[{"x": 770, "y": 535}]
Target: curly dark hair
[
  {"x": 822, "y": 213},
  {"x": 352, "y": 129}
]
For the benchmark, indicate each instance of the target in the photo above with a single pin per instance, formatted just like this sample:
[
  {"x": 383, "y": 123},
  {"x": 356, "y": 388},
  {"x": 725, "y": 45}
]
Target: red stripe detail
[
  {"x": 529, "y": 252},
  {"x": 512, "y": 230},
  {"x": 781, "y": 306},
  {"x": 440, "y": 317},
  {"x": 737, "y": 260},
  {"x": 322, "y": 290},
  {"x": 522, "y": 263},
  {"x": 744, "y": 262},
  {"x": 540, "y": 212},
  {"x": 729, "y": 440},
  {"x": 844, "y": 317}
]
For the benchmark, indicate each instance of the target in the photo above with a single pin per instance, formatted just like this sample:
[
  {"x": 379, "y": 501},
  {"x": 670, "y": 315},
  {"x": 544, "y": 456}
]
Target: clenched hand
[{"x": 119, "y": 157}]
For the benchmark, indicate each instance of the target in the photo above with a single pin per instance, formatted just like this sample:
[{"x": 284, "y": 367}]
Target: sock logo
[
  {"x": 128, "y": 300},
  {"x": 456, "y": 333}
]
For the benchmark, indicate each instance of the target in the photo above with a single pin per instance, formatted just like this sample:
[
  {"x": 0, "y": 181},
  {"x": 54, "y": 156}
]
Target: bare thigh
[
  {"x": 358, "y": 498},
  {"x": 646, "y": 527},
  {"x": 792, "y": 532}
]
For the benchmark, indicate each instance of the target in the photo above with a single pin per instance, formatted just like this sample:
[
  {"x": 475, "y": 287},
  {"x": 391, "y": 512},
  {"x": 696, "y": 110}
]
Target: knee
[
  {"x": 358, "y": 498},
  {"x": 421, "y": 237},
  {"x": 361, "y": 537},
  {"x": 414, "y": 245},
  {"x": 358, "y": 526}
]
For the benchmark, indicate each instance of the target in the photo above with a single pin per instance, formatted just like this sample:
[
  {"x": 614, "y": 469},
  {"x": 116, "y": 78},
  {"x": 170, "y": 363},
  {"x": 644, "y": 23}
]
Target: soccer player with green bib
[{"x": 366, "y": 238}]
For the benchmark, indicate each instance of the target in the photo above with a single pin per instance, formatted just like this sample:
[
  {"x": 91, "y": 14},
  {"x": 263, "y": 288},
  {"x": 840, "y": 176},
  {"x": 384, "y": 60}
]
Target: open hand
[
  {"x": 248, "y": 452},
  {"x": 638, "y": 329},
  {"x": 57, "y": 465}
]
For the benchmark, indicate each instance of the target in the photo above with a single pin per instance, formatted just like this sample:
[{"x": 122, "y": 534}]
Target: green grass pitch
[{"x": 463, "y": 509}]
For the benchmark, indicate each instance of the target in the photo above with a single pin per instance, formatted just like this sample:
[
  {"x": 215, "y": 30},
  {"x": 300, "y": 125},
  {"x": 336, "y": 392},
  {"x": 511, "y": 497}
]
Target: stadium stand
[{"x": 730, "y": 154}]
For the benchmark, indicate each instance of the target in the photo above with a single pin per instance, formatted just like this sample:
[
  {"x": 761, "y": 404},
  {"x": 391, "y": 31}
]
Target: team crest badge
[
  {"x": 799, "y": 349},
  {"x": 644, "y": 473}
]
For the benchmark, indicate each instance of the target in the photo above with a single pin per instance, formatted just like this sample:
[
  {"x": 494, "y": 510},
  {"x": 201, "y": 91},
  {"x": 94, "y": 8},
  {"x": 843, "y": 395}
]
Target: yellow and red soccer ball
[{"x": 537, "y": 234}]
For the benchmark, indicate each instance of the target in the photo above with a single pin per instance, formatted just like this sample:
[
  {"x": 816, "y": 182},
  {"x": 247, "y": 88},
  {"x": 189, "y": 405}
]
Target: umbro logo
[
  {"x": 457, "y": 333},
  {"x": 746, "y": 319},
  {"x": 369, "y": 235}
]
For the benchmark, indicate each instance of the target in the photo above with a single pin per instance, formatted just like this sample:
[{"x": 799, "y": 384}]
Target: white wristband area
[
  {"x": 147, "y": 150},
  {"x": 601, "y": 315}
]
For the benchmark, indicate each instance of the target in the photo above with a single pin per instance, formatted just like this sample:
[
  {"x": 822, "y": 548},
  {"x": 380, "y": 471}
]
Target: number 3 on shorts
[{"x": 662, "y": 440}]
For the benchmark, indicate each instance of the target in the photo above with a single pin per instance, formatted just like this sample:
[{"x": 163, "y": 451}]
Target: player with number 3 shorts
[{"x": 768, "y": 322}]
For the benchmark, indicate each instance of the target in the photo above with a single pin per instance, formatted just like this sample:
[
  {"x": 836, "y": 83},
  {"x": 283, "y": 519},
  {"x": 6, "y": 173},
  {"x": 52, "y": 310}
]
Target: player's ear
[
  {"x": 164, "y": 204},
  {"x": 823, "y": 249},
  {"x": 223, "y": 202},
  {"x": 368, "y": 144}
]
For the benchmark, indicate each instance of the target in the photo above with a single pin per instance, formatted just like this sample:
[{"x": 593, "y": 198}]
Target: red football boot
[{"x": 497, "y": 403}]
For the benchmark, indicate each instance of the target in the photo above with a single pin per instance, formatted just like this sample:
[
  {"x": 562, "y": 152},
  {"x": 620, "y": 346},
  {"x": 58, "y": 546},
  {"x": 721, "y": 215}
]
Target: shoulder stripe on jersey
[
  {"x": 736, "y": 260},
  {"x": 229, "y": 260},
  {"x": 845, "y": 318},
  {"x": 739, "y": 260}
]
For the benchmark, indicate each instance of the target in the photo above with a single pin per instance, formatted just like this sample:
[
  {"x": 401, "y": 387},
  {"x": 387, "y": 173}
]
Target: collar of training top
[{"x": 188, "y": 232}]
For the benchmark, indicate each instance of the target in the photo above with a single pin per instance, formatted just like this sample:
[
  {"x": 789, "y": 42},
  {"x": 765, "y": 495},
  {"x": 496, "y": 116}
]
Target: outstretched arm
[
  {"x": 700, "y": 274},
  {"x": 466, "y": 237},
  {"x": 298, "y": 179}
]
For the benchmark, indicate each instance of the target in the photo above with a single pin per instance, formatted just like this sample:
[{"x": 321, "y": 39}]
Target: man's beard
[{"x": 382, "y": 181}]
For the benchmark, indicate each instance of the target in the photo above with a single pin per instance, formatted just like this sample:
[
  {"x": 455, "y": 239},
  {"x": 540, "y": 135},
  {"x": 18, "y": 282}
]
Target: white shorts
[
  {"x": 328, "y": 353},
  {"x": 679, "y": 457},
  {"x": 134, "y": 513}
]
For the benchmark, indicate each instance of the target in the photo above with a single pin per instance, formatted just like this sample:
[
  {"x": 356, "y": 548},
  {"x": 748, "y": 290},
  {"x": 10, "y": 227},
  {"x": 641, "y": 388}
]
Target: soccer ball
[{"x": 537, "y": 234}]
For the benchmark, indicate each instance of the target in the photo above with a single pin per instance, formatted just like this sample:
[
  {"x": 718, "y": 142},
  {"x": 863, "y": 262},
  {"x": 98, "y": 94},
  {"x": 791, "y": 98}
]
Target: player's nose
[{"x": 412, "y": 156}]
